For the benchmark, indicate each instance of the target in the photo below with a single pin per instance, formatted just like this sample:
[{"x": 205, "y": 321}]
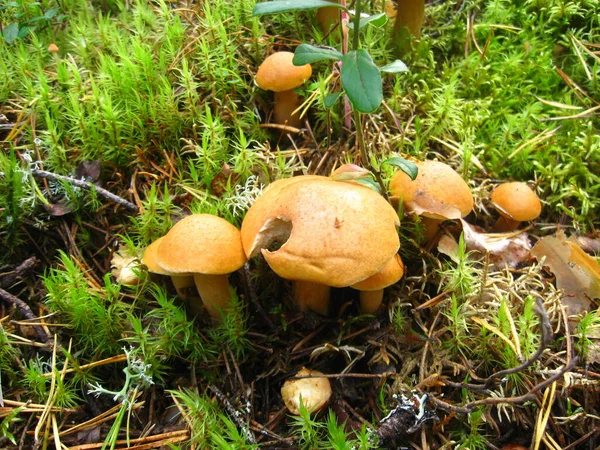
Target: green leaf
[
  {"x": 24, "y": 30},
  {"x": 10, "y": 33},
  {"x": 306, "y": 54},
  {"x": 408, "y": 167},
  {"x": 370, "y": 183},
  {"x": 330, "y": 99},
  {"x": 361, "y": 81},
  {"x": 291, "y": 5},
  {"x": 395, "y": 67},
  {"x": 377, "y": 20},
  {"x": 51, "y": 13}
]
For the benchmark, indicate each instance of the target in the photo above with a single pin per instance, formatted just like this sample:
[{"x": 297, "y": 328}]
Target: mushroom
[
  {"x": 371, "y": 289},
  {"x": 277, "y": 73},
  {"x": 438, "y": 193},
  {"x": 516, "y": 202},
  {"x": 182, "y": 283},
  {"x": 328, "y": 16},
  {"x": 208, "y": 248},
  {"x": 314, "y": 391},
  {"x": 321, "y": 233}
]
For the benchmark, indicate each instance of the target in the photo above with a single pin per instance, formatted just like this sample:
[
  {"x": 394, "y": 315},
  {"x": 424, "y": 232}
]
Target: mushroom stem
[
  {"x": 313, "y": 296},
  {"x": 215, "y": 293},
  {"x": 182, "y": 283},
  {"x": 409, "y": 17},
  {"x": 286, "y": 102},
  {"x": 370, "y": 301},
  {"x": 431, "y": 227},
  {"x": 504, "y": 224}
]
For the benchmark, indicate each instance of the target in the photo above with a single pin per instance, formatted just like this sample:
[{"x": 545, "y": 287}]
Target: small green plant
[
  {"x": 587, "y": 333},
  {"x": 306, "y": 429},
  {"x": 460, "y": 276},
  {"x": 137, "y": 380},
  {"x": 97, "y": 317},
  {"x": 231, "y": 331},
  {"x": 360, "y": 77},
  {"x": 337, "y": 437},
  {"x": 22, "y": 17},
  {"x": 11, "y": 418},
  {"x": 210, "y": 428},
  {"x": 474, "y": 438}
]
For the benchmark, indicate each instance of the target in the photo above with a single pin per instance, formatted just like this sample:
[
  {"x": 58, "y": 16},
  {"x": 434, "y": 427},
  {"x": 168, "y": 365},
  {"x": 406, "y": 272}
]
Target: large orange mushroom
[{"x": 328, "y": 234}]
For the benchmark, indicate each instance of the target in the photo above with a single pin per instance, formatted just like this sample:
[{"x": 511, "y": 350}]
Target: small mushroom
[
  {"x": 208, "y": 248},
  {"x": 182, "y": 283},
  {"x": 438, "y": 193},
  {"x": 277, "y": 73},
  {"x": 516, "y": 202},
  {"x": 371, "y": 289},
  {"x": 319, "y": 233},
  {"x": 315, "y": 391}
]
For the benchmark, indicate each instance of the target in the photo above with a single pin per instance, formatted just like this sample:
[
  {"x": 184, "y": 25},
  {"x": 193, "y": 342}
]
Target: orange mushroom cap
[
  {"x": 516, "y": 201},
  {"x": 277, "y": 73}
]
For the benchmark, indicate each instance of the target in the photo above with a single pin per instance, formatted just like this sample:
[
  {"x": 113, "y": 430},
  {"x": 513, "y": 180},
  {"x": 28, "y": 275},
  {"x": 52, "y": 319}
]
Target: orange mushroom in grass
[
  {"x": 208, "y": 248},
  {"x": 277, "y": 73},
  {"x": 182, "y": 282},
  {"x": 438, "y": 193},
  {"x": 328, "y": 234},
  {"x": 515, "y": 202}
]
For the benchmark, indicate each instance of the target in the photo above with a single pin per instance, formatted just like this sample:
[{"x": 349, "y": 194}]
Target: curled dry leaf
[
  {"x": 577, "y": 273},
  {"x": 504, "y": 249},
  {"x": 424, "y": 204}
]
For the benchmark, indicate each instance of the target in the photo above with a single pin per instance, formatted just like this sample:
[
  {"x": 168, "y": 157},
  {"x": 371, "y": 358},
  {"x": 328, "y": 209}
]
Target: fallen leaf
[
  {"x": 218, "y": 185},
  {"x": 577, "y": 273},
  {"x": 425, "y": 204},
  {"x": 88, "y": 171},
  {"x": 60, "y": 208},
  {"x": 504, "y": 249}
]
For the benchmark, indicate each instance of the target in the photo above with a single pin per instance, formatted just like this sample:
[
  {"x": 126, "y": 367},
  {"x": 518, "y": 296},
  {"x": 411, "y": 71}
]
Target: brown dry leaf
[
  {"x": 504, "y": 249},
  {"x": 424, "y": 204},
  {"x": 218, "y": 185},
  {"x": 577, "y": 273}
]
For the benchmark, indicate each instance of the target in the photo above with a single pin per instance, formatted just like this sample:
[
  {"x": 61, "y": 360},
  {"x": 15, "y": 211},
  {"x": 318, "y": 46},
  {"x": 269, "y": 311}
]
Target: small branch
[
  {"x": 233, "y": 413},
  {"x": 85, "y": 185},
  {"x": 546, "y": 338},
  {"x": 25, "y": 310},
  {"x": 8, "y": 279},
  {"x": 530, "y": 395},
  {"x": 345, "y": 375}
]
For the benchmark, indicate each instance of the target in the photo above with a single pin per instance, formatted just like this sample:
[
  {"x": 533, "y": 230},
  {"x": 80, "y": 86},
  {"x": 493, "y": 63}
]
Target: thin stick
[
  {"x": 233, "y": 413},
  {"x": 86, "y": 185},
  {"x": 25, "y": 310}
]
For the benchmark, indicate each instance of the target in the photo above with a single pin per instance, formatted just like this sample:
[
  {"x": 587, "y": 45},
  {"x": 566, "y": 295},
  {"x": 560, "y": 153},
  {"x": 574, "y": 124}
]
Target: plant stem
[
  {"x": 363, "y": 152},
  {"x": 356, "y": 35}
]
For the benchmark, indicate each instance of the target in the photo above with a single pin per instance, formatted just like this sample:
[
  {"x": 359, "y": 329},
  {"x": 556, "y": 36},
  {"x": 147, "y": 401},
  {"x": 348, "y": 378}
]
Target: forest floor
[{"x": 118, "y": 118}]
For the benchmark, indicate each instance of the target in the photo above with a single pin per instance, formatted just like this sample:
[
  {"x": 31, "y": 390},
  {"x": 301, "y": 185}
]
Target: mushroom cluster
[{"x": 321, "y": 233}]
